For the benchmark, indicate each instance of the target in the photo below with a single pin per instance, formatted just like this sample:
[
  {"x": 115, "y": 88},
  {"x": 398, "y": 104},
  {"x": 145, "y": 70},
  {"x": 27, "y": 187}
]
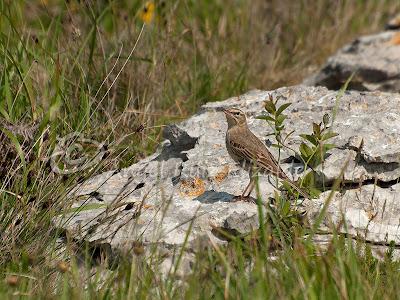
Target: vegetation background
[{"x": 118, "y": 71}]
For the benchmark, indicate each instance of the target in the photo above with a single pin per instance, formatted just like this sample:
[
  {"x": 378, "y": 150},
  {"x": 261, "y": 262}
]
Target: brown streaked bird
[{"x": 247, "y": 150}]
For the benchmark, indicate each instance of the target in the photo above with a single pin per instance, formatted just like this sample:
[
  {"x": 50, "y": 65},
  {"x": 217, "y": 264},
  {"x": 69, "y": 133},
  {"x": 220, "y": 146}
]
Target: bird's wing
[
  {"x": 255, "y": 152},
  {"x": 269, "y": 163},
  {"x": 241, "y": 151},
  {"x": 265, "y": 159},
  {"x": 251, "y": 149}
]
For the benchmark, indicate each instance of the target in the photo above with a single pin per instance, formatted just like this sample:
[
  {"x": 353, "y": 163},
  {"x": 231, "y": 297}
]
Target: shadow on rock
[{"x": 210, "y": 197}]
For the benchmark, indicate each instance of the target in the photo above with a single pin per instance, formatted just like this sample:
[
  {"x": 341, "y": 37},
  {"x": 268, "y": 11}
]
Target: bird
[{"x": 250, "y": 152}]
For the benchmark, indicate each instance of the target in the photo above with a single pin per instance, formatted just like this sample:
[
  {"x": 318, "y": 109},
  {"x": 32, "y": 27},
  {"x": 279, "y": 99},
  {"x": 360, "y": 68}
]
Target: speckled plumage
[{"x": 248, "y": 151}]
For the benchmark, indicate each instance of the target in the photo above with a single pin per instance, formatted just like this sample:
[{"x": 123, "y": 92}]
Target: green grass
[{"x": 66, "y": 65}]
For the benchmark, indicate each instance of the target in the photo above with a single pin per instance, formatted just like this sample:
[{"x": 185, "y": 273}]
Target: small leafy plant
[
  {"x": 312, "y": 150},
  {"x": 275, "y": 119}
]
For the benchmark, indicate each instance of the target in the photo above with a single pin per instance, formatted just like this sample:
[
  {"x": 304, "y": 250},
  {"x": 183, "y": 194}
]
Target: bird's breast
[{"x": 228, "y": 143}]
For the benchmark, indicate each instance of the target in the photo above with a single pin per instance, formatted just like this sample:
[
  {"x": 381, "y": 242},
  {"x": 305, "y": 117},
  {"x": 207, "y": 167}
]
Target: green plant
[
  {"x": 313, "y": 151},
  {"x": 275, "y": 118}
]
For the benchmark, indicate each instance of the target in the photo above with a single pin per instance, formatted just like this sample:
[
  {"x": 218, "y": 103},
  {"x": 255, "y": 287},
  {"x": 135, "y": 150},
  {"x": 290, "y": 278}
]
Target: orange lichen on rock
[
  {"x": 192, "y": 187},
  {"x": 395, "y": 39},
  {"x": 148, "y": 206},
  {"x": 221, "y": 175}
]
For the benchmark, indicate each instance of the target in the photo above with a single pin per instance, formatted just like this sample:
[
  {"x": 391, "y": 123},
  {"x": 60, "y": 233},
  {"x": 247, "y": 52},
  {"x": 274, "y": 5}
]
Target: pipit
[{"x": 252, "y": 155}]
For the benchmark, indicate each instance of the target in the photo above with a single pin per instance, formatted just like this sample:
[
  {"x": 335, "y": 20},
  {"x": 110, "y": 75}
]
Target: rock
[
  {"x": 394, "y": 23},
  {"x": 374, "y": 59},
  {"x": 379, "y": 251},
  {"x": 369, "y": 213},
  {"x": 182, "y": 194}
]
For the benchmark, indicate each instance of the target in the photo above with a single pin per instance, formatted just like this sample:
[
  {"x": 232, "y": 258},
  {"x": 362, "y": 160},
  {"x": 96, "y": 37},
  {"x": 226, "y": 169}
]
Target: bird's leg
[
  {"x": 251, "y": 184},
  {"x": 247, "y": 191}
]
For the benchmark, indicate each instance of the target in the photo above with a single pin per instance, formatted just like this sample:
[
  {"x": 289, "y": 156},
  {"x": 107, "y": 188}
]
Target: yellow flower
[{"x": 147, "y": 13}]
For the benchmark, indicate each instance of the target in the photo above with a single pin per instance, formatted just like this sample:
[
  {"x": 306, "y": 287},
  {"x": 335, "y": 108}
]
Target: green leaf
[
  {"x": 308, "y": 180},
  {"x": 282, "y": 108},
  {"x": 86, "y": 207},
  {"x": 314, "y": 193},
  {"x": 270, "y": 107},
  {"x": 328, "y": 135},
  {"x": 310, "y": 138},
  {"x": 327, "y": 147},
  {"x": 16, "y": 144},
  {"x": 266, "y": 118},
  {"x": 286, "y": 186},
  {"x": 4, "y": 113},
  {"x": 316, "y": 129},
  {"x": 280, "y": 119},
  {"x": 306, "y": 151},
  {"x": 7, "y": 96},
  {"x": 276, "y": 146}
]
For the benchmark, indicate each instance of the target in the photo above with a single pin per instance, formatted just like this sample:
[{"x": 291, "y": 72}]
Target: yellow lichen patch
[
  {"x": 221, "y": 175},
  {"x": 147, "y": 12},
  {"x": 192, "y": 187}
]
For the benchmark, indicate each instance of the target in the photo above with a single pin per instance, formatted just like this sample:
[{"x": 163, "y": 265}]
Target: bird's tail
[{"x": 298, "y": 189}]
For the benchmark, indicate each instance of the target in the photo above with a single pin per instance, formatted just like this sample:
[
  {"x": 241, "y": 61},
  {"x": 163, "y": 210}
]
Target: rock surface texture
[
  {"x": 190, "y": 182},
  {"x": 374, "y": 59}
]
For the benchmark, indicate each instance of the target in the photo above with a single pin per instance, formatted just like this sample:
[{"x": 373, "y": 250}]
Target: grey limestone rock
[
  {"x": 182, "y": 194},
  {"x": 374, "y": 59}
]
